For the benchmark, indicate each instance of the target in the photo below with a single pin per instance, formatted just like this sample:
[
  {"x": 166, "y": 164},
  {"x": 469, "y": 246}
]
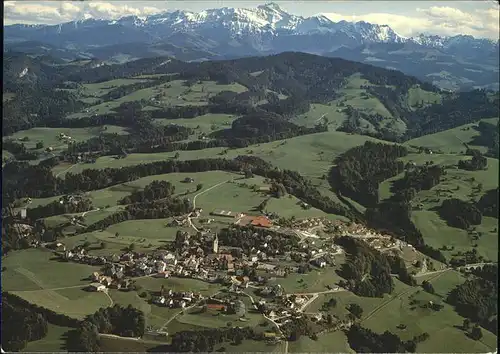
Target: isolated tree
[
  {"x": 476, "y": 333},
  {"x": 103, "y": 245},
  {"x": 248, "y": 173},
  {"x": 199, "y": 186},
  {"x": 262, "y": 206},
  {"x": 39, "y": 145},
  {"x": 356, "y": 310},
  {"x": 428, "y": 287}
]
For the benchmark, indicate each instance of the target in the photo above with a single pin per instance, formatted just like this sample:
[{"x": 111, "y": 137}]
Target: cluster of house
[
  {"x": 308, "y": 223},
  {"x": 71, "y": 199},
  {"x": 243, "y": 219},
  {"x": 283, "y": 306},
  {"x": 66, "y": 138},
  {"x": 77, "y": 254},
  {"x": 232, "y": 307},
  {"x": 176, "y": 299}
]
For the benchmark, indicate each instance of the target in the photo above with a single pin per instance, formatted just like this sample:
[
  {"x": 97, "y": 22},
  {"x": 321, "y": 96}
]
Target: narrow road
[
  {"x": 131, "y": 338},
  {"x": 90, "y": 211},
  {"x": 111, "y": 302},
  {"x": 196, "y": 196},
  {"x": 400, "y": 295},
  {"x": 66, "y": 170},
  {"x": 206, "y": 190},
  {"x": 309, "y": 302},
  {"x": 321, "y": 292},
  {"x": 162, "y": 328}
]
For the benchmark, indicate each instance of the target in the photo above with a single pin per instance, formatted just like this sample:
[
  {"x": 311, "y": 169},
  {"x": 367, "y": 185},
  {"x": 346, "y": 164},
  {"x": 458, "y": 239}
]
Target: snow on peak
[{"x": 23, "y": 73}]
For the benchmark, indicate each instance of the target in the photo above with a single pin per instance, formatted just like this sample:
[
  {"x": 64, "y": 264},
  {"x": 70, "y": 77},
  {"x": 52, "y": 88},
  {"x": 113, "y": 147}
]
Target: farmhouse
[
  {"x": 226, "y": 213},
  {"x": 216, "y": 307},
  {"x": 97, "y": 287},
  {"x": 259, "y": 221}
]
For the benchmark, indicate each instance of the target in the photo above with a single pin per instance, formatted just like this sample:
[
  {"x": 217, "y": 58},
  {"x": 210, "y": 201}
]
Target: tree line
[
  {"x": 118, "y": 320},
  {"x": 367, "y": 271},
  {"x": 478, "y": 161},
  {"x": 488, "y": 203},
  {"x": 488, "y": 137},
  {"x": 145, "y": 210},
  {"x": 58, "y": 208},
  {"x": 363, "y": 340},
  {"x": 356, "y": 176},
  {"x": 477, "y": 300},
  {"x": 25, "y": 322},
  {"x": 248, "y": 238},
  {"x": 206, "y": 340},
  {"x": 459, "y": 213},
  {"x": 153, "y": 191}
]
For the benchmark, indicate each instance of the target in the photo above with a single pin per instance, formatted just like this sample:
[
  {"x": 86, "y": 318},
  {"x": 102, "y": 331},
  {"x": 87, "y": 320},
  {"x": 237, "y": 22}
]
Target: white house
[{"x": 97, "y": 287}]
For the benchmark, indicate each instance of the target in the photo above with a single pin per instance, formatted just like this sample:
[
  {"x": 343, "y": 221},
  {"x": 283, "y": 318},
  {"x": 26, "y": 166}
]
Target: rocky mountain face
[{"x": 459, "y": 62}]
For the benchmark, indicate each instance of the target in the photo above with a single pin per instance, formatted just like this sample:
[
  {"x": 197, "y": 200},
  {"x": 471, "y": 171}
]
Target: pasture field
[
  {"x": 416, "y": 96},
  {"x": 7, "y": 96},
  {"x": 74, "y": 306},
  {"x": 318, "y": 113},
  {"x": 118, "y": 345},
  {"x": 459, "y": 184},
  {"x": 126, "y": 298},
  {"x": 251, "y": 346},
  {"x": 175, "y": 326},
  {"x": 178, "y": 284},
  {"x": 214, "y": 319},
  {"x": 351, "y": 95},
  {"x": 359, "y": 98},
  {"x": 310, "y": 155},
  {"x": 444, "y": 336},
  {"x": 89, "y": 218},
  {"x": 36, "y": 269},
  {"x": 466, "y": 181},
  {"x": 316, "y": 280},
  {"x": 331, "y": 342},
  {"x": 437, "y": 233},
  {"x": 54, "y": 341},
  {"x": 108, "y": 197},
  {"x": 451, "y": 140},
  {"x": 204, "y": 124},
  {"x": 446, "y": 282},
  {"x": 102, "y": 88},
  {"x": 174, "y": 93},
  {"x": 50, "y": 136},
  {"x": 144, "y": 234},
  {"x": 159, "y": 315}
]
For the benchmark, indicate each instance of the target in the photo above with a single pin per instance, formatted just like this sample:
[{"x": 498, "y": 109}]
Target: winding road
[{"x": 197, "y": 195}]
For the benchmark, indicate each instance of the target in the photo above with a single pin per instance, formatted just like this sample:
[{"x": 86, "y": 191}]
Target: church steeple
[{"x": 216, "y": 244}]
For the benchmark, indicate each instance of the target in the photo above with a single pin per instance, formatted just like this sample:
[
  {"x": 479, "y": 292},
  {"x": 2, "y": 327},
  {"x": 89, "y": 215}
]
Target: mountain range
[{"x": 458, "y": 62}]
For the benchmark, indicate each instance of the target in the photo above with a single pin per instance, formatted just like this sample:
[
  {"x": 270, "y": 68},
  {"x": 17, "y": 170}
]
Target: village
[{"x": 200, "y": 256}]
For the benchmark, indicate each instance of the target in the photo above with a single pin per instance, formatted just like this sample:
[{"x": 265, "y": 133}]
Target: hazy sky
[{"x": 478, "y": 18}]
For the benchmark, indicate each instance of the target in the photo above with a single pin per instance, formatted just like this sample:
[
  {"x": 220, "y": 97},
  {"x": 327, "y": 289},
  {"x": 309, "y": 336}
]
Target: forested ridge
[
  {"x": 19, "y": 183},
  {"x": 355, "y": 174},
  {"x": 304, "y": 78}
]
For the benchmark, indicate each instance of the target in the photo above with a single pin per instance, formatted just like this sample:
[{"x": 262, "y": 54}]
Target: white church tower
[{"x": 216, "y": 244}]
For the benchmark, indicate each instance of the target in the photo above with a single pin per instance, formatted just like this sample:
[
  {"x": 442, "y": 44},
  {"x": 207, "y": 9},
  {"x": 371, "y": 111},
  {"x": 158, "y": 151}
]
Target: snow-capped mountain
[
  {"x": 267, "y": 21},
  {"x": 237, "y": 32}
]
